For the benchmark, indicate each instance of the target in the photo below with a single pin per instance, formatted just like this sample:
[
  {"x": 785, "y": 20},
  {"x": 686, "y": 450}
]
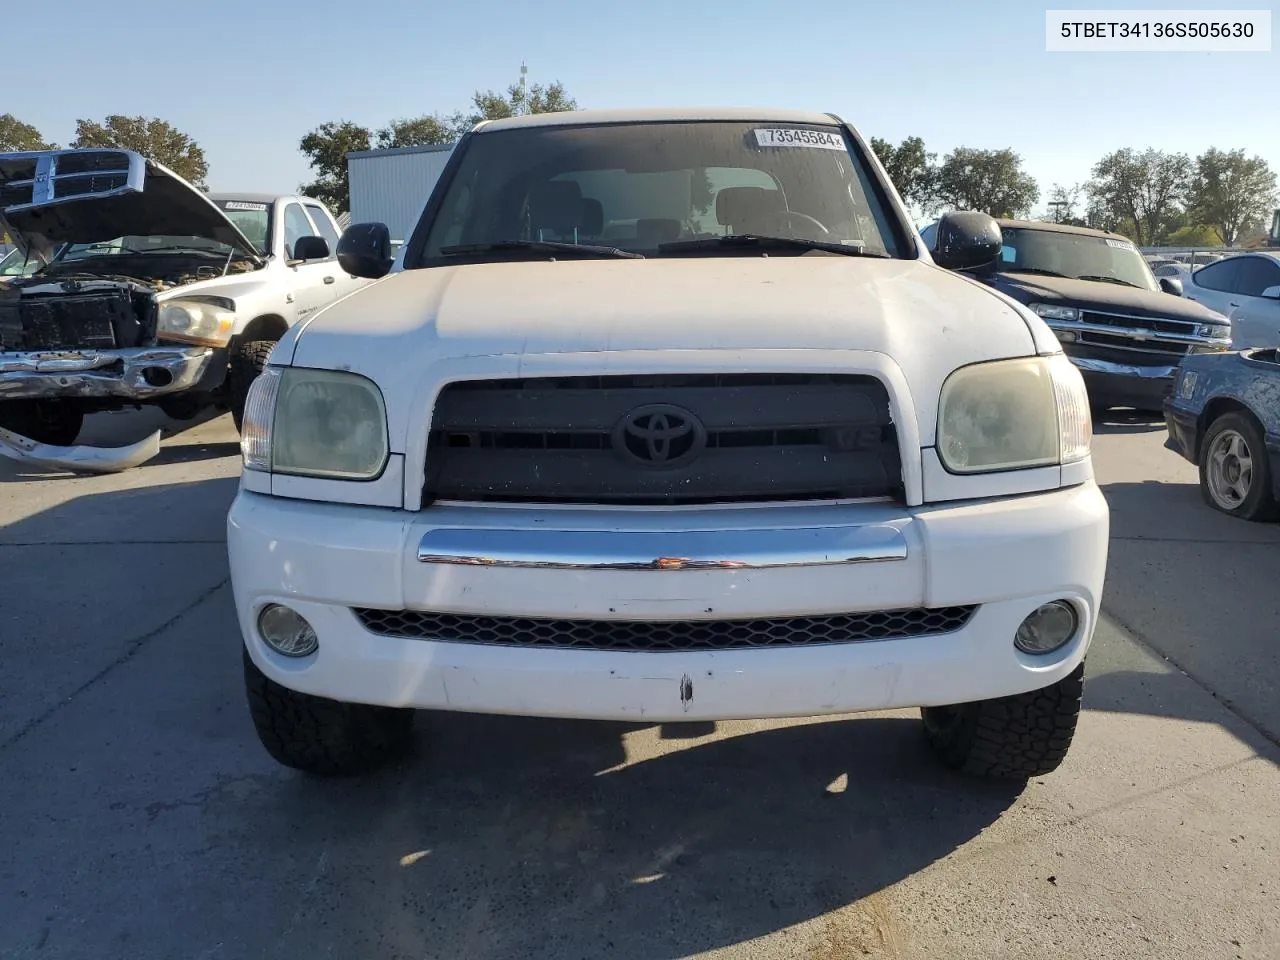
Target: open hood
[{"x": 51, "y": 197}]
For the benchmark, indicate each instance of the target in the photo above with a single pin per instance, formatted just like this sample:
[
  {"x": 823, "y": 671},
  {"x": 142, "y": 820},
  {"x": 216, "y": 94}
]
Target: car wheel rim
[{"x": 1230, "y": 472}]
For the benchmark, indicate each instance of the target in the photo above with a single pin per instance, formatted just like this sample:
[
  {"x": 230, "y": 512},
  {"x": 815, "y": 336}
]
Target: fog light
[
  {"x": 1066, "y": 336},
  {"x": 1047, "y": 629},
  {"x": 286, "y": 632}
]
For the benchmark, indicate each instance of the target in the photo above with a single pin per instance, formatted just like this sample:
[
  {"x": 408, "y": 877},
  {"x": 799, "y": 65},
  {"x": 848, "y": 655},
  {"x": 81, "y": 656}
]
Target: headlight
[
  {"x": 206, "y": 322},
  {"x": 1010, "y": 414},
  {"x": 1051, "y": 312},
  {"x": 315, "y": 423}
]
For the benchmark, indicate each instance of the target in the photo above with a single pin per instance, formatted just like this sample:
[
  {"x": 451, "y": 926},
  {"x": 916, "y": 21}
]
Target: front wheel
[
  {"x": 1009, "y": 738},
  {"x": 1235, "y": 471},
  {"x": 322, "y": 736},
  {"x": 247, "y": 361},
  {"x": 55, "y": 422}
]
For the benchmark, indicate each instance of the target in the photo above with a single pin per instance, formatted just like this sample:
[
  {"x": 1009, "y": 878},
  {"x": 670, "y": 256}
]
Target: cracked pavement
[{"x": 143, "y": 820}]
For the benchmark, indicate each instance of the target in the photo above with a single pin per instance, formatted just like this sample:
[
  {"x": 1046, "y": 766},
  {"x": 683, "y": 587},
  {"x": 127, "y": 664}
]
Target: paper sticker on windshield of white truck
[
  {"x": 243, "y": 205},
  {"x": 790, "y": 137},
  {"x": 1119, "y": 244}
]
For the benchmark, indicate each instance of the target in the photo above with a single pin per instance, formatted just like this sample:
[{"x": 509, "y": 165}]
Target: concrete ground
[{"x": 141, "y": 819}]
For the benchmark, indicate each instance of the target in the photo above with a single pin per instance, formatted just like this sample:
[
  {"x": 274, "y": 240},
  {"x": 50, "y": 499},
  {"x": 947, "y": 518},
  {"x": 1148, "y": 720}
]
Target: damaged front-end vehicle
[{"x": 134, "y": 302}]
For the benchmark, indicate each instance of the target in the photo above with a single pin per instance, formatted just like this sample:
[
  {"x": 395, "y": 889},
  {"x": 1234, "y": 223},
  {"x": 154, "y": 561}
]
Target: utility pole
[{"x": 1056, "y": 206}]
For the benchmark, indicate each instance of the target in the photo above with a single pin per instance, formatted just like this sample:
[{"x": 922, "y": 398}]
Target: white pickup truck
[
  {"x": 663, "y": 416},
  {"x": 150, "y": 291}
]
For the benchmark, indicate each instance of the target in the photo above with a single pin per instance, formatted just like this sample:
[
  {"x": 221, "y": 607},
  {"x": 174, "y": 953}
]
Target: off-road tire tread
[
  {"x": 247, "y": 361},
  {"x": 322, "y": 736},
  {"x": 1012, "y": 738},
  {"x": 1261, "y": 505}
]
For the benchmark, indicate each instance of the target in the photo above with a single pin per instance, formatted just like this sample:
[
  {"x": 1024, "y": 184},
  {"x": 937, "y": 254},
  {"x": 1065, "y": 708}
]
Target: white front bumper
[{"x": 1008, "y": 556}]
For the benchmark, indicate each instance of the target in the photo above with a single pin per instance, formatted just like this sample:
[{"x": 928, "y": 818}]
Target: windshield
[
  {"x": 131, "y": 246},
  {"x": 1073, "y": 255},
  {"x": 252, "y": 218},
  {"x": 636, "y": 186}
]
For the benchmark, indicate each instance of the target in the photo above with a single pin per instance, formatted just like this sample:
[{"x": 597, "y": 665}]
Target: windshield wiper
[
  {"x": 757, "y": 242},
  {"x": 1126, "y": 283},
  {"x": 549, "y": 246},
  {"x": 177, "y": 248},
  {"x": 1047, "y": 273}
]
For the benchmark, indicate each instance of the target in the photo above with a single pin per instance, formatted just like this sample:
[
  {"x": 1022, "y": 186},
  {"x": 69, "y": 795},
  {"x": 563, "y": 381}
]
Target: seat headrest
[
  {"x": 556, "y": 205},
  {"x": 655, "y": 231},
  {"x": 738, "y": 205},
  {"x": 592, "y": 217}
]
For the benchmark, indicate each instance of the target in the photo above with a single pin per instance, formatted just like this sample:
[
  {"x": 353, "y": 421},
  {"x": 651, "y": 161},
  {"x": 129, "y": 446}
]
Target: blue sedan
[{"x": 1223, "y": 415}]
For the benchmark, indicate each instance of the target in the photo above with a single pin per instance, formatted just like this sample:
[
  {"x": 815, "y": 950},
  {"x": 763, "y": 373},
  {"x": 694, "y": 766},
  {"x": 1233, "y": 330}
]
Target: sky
[{"x": 247, "y": 79}]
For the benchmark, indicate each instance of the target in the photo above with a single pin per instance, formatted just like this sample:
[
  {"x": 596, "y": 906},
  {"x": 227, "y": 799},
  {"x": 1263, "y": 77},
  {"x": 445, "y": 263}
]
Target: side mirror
[
  {"x": 364, "y": 250},
  {"x": 966, "y": 239},
  {"x": 1173, "y": 285},
  {"x": 1272, "y": 293},
  {"x": 311, "y": 248}
]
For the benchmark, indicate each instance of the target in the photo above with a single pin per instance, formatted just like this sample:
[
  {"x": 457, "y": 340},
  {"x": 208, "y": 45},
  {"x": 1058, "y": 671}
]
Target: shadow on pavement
[
  {"x": 502, "y": 837},
  {"x": 1128, "y": 421},
  {"x": 525, "y": 839},
  {"x": 1198, "y": 587}
]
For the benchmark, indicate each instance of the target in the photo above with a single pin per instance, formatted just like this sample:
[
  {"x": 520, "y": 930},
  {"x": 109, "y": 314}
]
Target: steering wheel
[{"x": 788, "y": 215}]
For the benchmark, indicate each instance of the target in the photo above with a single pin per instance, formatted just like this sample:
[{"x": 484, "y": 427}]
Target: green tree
[
  {"x": 153, "y": 138},
  {"x": 16, "y": 135},
  {"x": 1065, "y": 205},
  {"x": 909, "y": 166},
  {"x": 991, "y": 181},
  {"x": 417, "y": 132},
  {"x": 1194, "y": 235},
  {"x": 327, "y": 147},
  {"x": 1145, "y": 189},
  {"x": 1230, "y": 191},
  {"x": 519, "y": 100}
]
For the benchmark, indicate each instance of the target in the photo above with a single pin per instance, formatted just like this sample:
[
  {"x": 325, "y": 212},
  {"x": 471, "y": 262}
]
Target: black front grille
[
  {"x": 1124, "y": 350},
  {"x": 96, "y": 161},
  {"x": 618, "y": 440},
  {"x": 99, "y": 320},
  {"x": 89, "y": 184},
  {"x": 660, "y": 636},
  {"x": 1186, "y": 328}
]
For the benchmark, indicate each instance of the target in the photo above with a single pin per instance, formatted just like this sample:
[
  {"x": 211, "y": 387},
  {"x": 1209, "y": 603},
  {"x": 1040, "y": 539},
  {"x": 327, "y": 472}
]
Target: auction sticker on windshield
[
  {"x": 792, "y": 137},
  {"x": 244, "y": 205}
]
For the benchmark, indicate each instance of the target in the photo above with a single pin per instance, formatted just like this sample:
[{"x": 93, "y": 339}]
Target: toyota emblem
[{"x": 659, "y": 435}]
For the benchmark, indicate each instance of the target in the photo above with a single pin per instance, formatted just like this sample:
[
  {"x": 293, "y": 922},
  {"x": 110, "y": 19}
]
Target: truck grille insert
[
  {"x": 666, "y": 439},
  {"x": 673, "y": 635}
]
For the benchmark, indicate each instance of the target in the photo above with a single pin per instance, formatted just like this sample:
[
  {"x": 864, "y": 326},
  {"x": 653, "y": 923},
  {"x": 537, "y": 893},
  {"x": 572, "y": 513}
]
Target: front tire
[
  {"x": 55, "y": 422},
  {"x": 1009, "y": 738},
  {"x": 247, "y": 361},
  {"x": 1235, "y": 470},
  {"x": 322, "y": 736}
]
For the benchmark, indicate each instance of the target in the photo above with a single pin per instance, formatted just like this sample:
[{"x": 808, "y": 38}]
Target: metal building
[{"x": 391, "y": 186}]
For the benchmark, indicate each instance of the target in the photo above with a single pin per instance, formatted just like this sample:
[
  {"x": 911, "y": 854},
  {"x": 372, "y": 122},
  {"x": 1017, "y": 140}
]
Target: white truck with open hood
[{"x": 148, "y": 291}]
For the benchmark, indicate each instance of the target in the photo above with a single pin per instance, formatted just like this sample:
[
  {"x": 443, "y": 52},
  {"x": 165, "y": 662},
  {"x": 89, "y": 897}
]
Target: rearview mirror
[
  {"x": 1272, "y": 293},
  {"x": 364, "y": 250},
  {"x": 311, "y": 248},
  {"x": 1171, "y": 285},
  {"x": 966, "y": 239}
]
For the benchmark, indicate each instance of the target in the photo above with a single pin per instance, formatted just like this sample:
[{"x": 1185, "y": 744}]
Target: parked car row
[
  {"x": 1122, "y": 327},
  {"x": 129, "y": 286}
]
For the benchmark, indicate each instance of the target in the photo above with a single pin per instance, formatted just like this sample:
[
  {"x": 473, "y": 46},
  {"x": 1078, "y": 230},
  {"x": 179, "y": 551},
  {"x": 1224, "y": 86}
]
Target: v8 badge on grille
[{"x": 659, "y": 436}]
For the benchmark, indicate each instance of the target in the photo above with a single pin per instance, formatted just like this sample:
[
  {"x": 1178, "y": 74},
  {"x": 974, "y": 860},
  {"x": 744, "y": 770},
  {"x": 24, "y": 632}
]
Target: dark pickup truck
[{"x": 1125, "y": 330}]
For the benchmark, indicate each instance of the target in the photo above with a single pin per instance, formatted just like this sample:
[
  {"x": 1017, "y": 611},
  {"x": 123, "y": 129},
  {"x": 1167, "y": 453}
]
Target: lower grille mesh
[{"x": 673, "y": 635}]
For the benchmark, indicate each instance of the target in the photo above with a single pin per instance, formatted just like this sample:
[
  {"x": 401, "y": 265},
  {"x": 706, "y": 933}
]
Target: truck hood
[
  {"x": 925, "y": 319},
  {"x": 52, "y": 197},
  {"x": 1100, "y": 296}
]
